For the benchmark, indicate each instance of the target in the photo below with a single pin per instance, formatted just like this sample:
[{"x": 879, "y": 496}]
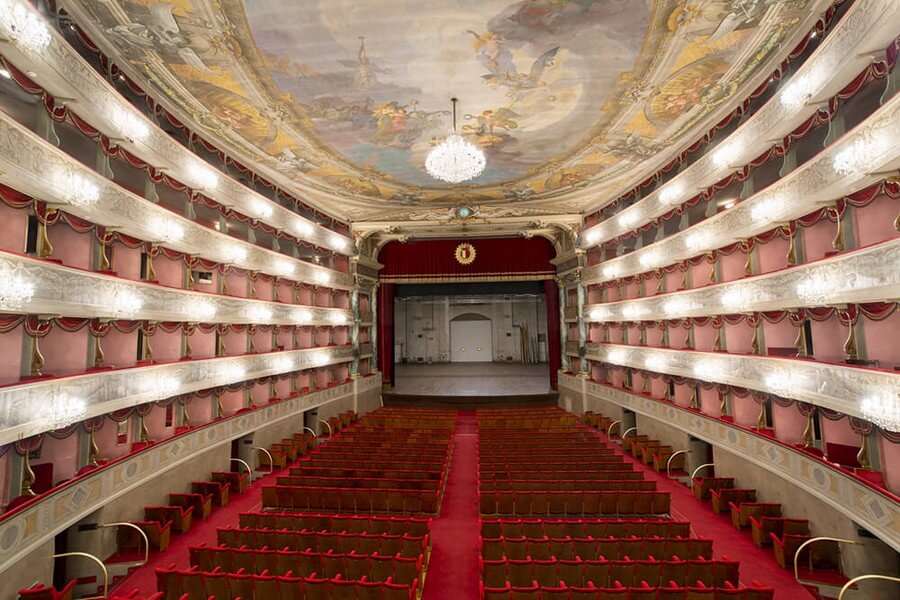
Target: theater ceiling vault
[{"x": 340, "y": 100}]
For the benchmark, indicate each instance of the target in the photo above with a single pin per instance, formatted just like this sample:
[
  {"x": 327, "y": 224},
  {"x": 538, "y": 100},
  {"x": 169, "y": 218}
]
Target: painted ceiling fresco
[{"x": 346, "y": 97}]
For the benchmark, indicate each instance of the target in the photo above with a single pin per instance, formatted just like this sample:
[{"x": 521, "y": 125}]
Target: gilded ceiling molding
[
  {"x": 869, "y": 26},
  {"x": 65, "y": 75},
  {"x": 835, "y": 386},
  {"x": 811, "y": 186},
  {"x": 34, "y": 166},
  {"x": 871, "y": 274},
  {"x": 105, "y": 391},
  {"x": 68, "y": 504},
  {"x": 54, "y": 289},
  {"x": 857, "y": 501}
]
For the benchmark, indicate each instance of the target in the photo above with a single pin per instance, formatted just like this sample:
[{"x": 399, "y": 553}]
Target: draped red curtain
[
  {"x": 386, "y": 332},
  {"x": 554, "y": 351}
]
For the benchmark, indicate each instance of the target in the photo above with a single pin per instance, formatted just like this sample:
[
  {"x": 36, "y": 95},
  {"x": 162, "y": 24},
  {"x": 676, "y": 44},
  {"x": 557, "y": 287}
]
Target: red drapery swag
[
  {"x": 510, "y": 259},
  {"x": 554, "y": 341},
  {"x": 386, "y": 332}
]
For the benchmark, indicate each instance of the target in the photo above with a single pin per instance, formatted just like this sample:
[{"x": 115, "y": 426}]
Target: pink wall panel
[
  {"x": 237, "y": 284},
  {"x": 156, "y": 424},
  {"x": 779, "y": 335},
  {"x": 120, "y": 348},
  {"x": 63, "y": 454},
  {"x": 683, "y": 395},
  {"x": 875, "y": 222},
  {"x": 203, "y": 345},
  {"x": 654, "y": 336},
  {"x": 731, "y": 267},
  {"x": 11, "y": 349},
  {"x": 283, "y": 388},
  {"x": 881, "y": 340},
  {"x": 232, "y": 401},
  {"x": 772, "y": 256},
  {"x": 705, "y": 337},
  {"x": 304, "y": 297},
  {"x": 72, "y": 248},
  {"x": 168, "y": 272},
  {"x": 839, "y": 432},
  {"x": 673, "y": 280},
  {"x": 677, "y": 336},
  {"x": 789, "y": 423},
  {"x": 890, "y": 461},
  {"x": 236, "y": 343},
  {"x": 738, "y": 338},
  {"x": 13, "y": 222},
  {"x": 4, "y": 476},
  {"x": 828, "y": 340},
  {"x": 817, "y": 239},
  {"x": 166, "y": 346},
  {"x": 264, "y": 289},
  {"x": 709, "y": 402},
  {"x": 744, "y": 410},
  {"x": 700, "y": 274},
  {"x": 126, "y": 262},
  {"x": 284, "y": 291},
  {"x": 262, "y": 341},
  {"x": 199, "y": 410},
  {"x": 65, "y": 353},
  {"x": 107, "y": 443},
  {"x": 304, "y": 337}
]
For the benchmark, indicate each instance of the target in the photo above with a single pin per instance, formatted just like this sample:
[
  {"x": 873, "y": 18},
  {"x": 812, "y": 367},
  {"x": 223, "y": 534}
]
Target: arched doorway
[{"x": 471, "y": 338}]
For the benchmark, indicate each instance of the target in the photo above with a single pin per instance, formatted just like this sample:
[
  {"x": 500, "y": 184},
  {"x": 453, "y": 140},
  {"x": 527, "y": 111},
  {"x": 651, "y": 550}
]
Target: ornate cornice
[
  {"x": 869, "y": 26},
  {"x": 815, "y": 184},
  {"x": 834, "y": 386},
  {"x": 33, "y": 166},
  {"x": 871, "y": 274},
  {"x": 63, "y": 73},
  {"x": 105, "y": 391},
  {"x": 858, "y": 502},
  {"x": 39, "y": 522}
]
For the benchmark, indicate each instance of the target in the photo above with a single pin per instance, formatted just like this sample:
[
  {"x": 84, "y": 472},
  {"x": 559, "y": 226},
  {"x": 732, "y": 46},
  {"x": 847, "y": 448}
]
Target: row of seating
[
  {"x": 574, "y": 503},
  {"x": 358, "y": 482},
  {"x": 366, "y": 500},
  {"x": 323, "y": 541},
  {"x": 554, "y": 465},
  {"x": 336, "y": 522},
  {"x": 589, "y": 547},
  {"x": 596, "y": 528},
  {"x": 643, "y": 592},
  {"x": 305, "y": 563},
  {"x": 632, "y": 482},
  {"x": 603, "y": 471},
  {"x": 603, "y": 572},
  {"x": 414, "y": 474}
]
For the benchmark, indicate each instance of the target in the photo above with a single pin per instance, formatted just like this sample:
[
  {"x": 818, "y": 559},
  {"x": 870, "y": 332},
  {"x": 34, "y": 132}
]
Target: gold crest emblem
[{"x": 465, "y": 253}]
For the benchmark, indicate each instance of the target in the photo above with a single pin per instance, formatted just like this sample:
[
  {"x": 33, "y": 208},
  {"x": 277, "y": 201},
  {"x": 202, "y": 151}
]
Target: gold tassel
[
  {"x": 665, "y": 336},
  {"x": 838, "y": 242},
  {"x": 151, "y": 273},
  {"x": 659, "y": 284},
  {"x": 850, "y": 348},
  {"x": 643, "y": 329},
  {"x": 37, "y": 359},
  {"x": 220, "y": 344},
  {"x": 187, "y": 346},
  {"x": 44, "y": 247},
  {"x": 220, "y": 410},
  {"x": 808, "y": 439},
  {"x": 720, "y": 342},
  {"x": 800, "y": 340},
  {"x": 684, "y": 277},
  {"x": 252, "y": 345},
  {"x": 695, "y": 400},
  {"x": 93, "y": 450},
  {"x": 748, "y": 264},
  {"x": 28, "y": 477},
  {"x": 99, "y": 355},
  {"x": 863, "y": 456},
  {"x": 897, "y": 223},
  {"x": 713, "y": 276},
  {"x": 689, "y": 338},
  {"x": 755, "y": 347},
  {"x": 145, "y": 433},
  {"x": 295, "y": 295},
  {"x": 276, "y": 290},
  {"x": 190, "y": 279},
  {"x": 791, "y": 257},
  {"x": 761, "y": 417},
  {"x": 104, "y": 259},
  {"x": 224, "y": 281},
  {"x": 723, "y": 403},
  {"x": 624, "y": 334},
  {"x": 645, "y": 383},
  {"x": 185, "y": 417},
  {"x": 146, "y": 349}
]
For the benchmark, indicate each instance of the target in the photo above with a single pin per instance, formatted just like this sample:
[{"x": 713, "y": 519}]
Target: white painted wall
[{"x": 470, "y": 341}]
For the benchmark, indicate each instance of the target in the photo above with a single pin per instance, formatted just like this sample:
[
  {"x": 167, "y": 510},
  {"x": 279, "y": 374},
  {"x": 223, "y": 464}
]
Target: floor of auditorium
[
  {"x": 471, "y": 379},
  {"x": 453, "y": 571}
]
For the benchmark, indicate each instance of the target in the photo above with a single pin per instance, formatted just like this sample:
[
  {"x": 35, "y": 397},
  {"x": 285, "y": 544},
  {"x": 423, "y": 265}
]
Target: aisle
[{"x": 453, "y": 568}]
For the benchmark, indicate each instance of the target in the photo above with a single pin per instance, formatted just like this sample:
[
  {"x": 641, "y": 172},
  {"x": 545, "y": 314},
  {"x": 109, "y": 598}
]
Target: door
[{"x": 471, "y": 339}]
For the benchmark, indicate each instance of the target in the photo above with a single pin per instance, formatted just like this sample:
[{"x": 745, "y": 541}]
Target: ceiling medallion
[
  {"x": 465, "y": 253},
  {"x": 455, "y": 160}
]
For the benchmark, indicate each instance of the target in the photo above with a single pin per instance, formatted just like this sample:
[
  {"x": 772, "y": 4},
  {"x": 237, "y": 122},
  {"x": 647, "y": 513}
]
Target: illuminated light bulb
[
  {"x": 337, "y": 318},
  {"x": 16, "y": 291},
  {"x": 162, "y": 386},
  {"x": 656, "y": 363},
  {"x": 205, "y": 176},
  {"x": 698, "y": 241},
  {"x": 766, "y": 210},
  {"x": 649, "y": 259},
  {"x": 259, "y": 313},
  {"x": 628, "y": 218},
  {"x": 859, "y": 156},
  {"x": 322, "y": 277},
  {"x": 598, "y": 314},
  {"x": 319, "y": 359},
  {"x": 782, "y": 383},
  {"x": 285, "y": 268},
  {"x": 132, "y": 126},
  {"x": 303, "y": 228},
  {"x": 592, "y": 235},
  {"x": 126, "y": 303},
  {"x": 726, "y": 154},
  {"x": 202, "y": 310},
  {"x": 816, "y": 290},
  {"x": 260, "y": 209},
  {"x": 671, "y": 194},
  {"x": 76, "y": 188},
  {"x": 677, "y": 306},
  {"x": 616, "y": 356},
  {"x": 24, "y": 26},
  {"x": 611, "y": 271},
  {"x": 167, "y": 230},
  {"x": 738, "y": 298},
  {"x": 303, "y": 316},
  {"x": 60, "y": 410},
  {"x": 634, "y": 312},
  {"x": 5, "y": 73},
  {"x": 235, "y": 253},
  {"x": 708, "y": 370},
  {"x": 799, "y": 90},
  {"x": 883, "y": 409},
  {"x": 339, "y": 243}
]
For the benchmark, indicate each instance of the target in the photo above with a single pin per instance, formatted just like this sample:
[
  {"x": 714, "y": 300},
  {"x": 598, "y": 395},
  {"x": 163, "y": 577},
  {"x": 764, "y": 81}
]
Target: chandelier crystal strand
[{"x": 455, "y": 160}]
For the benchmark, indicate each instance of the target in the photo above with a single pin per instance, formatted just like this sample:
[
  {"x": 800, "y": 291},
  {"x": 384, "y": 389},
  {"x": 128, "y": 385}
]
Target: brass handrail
[
  {"x": 627, "y": 431},
  {"x": 850, "y": 583},
  {"x": 96, "y": 560},
  {"x": 269, "y": 454},
  {"x": 311, "y": 430},
  {"x": 138, "y": 529},
  {"x": 703, "y": 466},
  {"x": 328, "y": 425},
  {"x": 611, "y": 425},
  {"x": 811, "y": 541},
  {"x": 669, "y": 462}
]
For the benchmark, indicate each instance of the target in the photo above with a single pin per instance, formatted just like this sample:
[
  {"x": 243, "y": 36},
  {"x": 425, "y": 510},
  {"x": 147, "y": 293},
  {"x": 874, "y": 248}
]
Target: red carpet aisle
[
  {"x": 204, "y": 531},
  {"x": 756, "y": 563},
  {"x": 453, "y": 569}
]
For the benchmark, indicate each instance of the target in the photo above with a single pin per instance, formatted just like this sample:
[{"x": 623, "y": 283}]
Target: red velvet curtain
[
  {"x": 554, "y": 350},
  {"x": 386, "y": 332}
]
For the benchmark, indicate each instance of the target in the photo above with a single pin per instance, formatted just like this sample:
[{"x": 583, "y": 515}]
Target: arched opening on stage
[{"x": 471, "y": 338}]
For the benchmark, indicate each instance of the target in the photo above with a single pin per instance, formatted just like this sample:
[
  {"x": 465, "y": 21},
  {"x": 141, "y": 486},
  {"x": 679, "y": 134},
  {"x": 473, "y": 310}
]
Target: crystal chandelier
[
  {"x": 455, "y": 160},
  {"x": 883, "y": 410}
]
